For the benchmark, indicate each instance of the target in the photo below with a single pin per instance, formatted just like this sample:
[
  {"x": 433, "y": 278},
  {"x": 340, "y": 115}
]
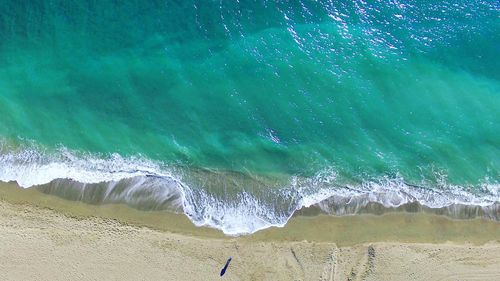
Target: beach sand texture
[
  {"x": 308, "y": 140},
  {"x": 83, "y": 243}
]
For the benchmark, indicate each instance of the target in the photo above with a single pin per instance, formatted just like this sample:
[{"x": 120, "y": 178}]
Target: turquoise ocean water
[{"x": 241, "y": 112}]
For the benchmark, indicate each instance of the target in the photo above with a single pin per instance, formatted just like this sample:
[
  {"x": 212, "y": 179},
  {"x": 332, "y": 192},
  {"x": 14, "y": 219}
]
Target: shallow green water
[{"x": 398, "y": 89}]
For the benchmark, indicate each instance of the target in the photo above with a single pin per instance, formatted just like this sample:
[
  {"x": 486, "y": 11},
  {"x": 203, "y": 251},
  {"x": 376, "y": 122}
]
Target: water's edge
[
  {"x": 235, "y": 203},
  {"x": 139, "y": 193}
]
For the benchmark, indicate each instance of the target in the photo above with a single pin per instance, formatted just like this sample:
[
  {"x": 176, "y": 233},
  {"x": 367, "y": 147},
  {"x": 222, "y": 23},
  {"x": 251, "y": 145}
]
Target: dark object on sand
[{"x": 223, "y": 271}]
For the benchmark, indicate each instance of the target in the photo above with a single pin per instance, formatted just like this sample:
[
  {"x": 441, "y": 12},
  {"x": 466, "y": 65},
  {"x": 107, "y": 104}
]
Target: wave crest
[{"x": 236, "y": 204}]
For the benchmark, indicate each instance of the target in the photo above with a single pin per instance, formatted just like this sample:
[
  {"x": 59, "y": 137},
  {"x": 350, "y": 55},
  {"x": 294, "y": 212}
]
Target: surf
[{"x": 148, "y": 185}]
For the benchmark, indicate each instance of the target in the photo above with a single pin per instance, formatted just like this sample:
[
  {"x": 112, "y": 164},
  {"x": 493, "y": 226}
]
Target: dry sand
[{"x": 74, "y": 241}]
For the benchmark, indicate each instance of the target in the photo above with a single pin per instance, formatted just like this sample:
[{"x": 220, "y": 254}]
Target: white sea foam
[
  {"x": 242, "y": 214},
  {"x": 30, "y": 167},
  {"x": 246, "y": 216}
]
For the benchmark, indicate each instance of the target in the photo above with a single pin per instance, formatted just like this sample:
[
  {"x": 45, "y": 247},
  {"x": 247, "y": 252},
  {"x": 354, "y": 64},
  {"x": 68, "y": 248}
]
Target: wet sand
[{"x": 47, "y": 238}]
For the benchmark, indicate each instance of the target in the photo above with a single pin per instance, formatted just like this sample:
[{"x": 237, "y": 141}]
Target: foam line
[{"x": 243, "y": 214}]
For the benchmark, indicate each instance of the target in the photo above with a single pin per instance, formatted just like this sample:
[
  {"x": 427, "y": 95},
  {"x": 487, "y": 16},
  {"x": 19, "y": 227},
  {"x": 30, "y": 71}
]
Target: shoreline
[
  {"x": 395, "y": 226},
  {"x": 272, "y": 198},
  {"x": 65, "y": 240}
]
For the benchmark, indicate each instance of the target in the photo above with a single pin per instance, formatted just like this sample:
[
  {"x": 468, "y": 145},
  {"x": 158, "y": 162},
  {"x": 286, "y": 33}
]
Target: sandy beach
[
  {"x": 47, "y": 238},
  {"x": 297, "y": 140}
]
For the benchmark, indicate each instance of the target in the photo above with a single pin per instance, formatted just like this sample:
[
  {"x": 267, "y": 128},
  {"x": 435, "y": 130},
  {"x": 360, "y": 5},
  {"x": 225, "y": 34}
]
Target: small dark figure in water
[{"x": 223, "y": 271}]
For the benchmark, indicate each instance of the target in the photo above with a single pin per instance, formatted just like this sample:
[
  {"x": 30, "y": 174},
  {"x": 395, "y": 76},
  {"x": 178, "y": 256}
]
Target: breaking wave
[{"x": 234, "y": 203}]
